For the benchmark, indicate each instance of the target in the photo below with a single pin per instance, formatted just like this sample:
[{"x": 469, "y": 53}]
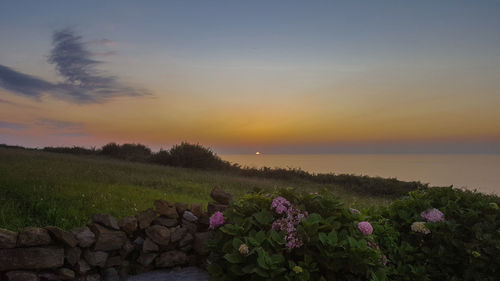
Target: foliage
[
  {"x": 72, "y": 150},
  {"x": 250, "y": 246},
  {"x": 362, "y": 184},
  {"x": 465, "y": 246},
  {"x": 127, "y": 151},
  {"x": 195, "y": 156}
]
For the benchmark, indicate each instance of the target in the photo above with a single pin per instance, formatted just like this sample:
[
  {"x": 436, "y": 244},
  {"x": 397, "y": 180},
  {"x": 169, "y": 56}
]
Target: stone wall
[{"x": 168, "y": 235}]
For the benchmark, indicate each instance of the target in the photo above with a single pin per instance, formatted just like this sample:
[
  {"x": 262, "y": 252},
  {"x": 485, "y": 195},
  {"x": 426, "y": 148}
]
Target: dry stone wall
[{"x": 168, "y": 235}]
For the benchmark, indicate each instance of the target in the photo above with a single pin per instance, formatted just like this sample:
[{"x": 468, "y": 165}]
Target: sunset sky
[{"x": 246, "y": 76}]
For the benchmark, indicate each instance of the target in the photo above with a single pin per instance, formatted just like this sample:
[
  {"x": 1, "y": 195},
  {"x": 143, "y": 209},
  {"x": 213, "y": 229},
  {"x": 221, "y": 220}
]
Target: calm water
[{"x": 473, "y": 171}]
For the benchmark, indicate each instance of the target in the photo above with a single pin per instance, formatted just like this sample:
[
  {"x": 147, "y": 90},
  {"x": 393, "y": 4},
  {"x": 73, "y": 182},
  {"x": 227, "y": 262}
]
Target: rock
[
  {"x": 93, "y": 277},
  {"x": 95, "y": 258},
  {"x": 196, "y": 209},
  {"x": 163, "y": 208},
  {"x": 165, "y": 221},
  {"x": 189, "y": 216},
  {"x": 110, "y": 274},
  {"x": 159, "y": 234},
  {"x": 65, "y": 274},
  {"x": 146, "y": 259},
  {"x": 191, "y": 227},
  {"x": 178, "y": 233},
  {"x": 72, "y": 255},
  {"x": 186, "y": 240},
  {"x": 171, "y": 259},
  {"x": 127, "y": 249},
  {"x": 186, "y": 248},
  {"x": 48, "y": 276},
  {"x": 200, "y": 242},
  {"x": 31, "y": 258},
  {"x": 8, "y": 239},
  {"x": 145, "y": 218},
  {"x": 123, "y": 270},
  {"x": 21, "y": 276},
  {"x": 213, "y": 207},
  {"x": 221, "y": 196},
  {"x": 139, "y": 241},
  {"x": 60, "y": 235},
  {"x": 105, "y": 220},
  {"x": 33, "y": 236},
  {"x": 82, "y": 267},
  {"x": 114, "y": 261},
  {"x": 85, "y": 237},
  {"x": 149, "y": 246},
  {"x": 106, "y": 239},
  {"x": 128, "y": 224},
  {"x": 204, "y": 220},
  {"x": 181, "y": 208}
]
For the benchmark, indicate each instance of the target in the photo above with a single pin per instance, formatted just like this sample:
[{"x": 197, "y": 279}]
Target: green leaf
[
  {"x": 260, "y": 236},
  {"x": 234, "y": 258},
  {"x": 264, "y": 217},
  {"x": 237, "y": 243},
  {"x": 230, "y": 229}
]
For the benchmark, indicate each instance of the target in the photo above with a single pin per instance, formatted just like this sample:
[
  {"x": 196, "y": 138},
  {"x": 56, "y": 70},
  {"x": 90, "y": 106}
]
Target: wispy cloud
[
  {"x": 58, "y": 124},
  {"x": 12, "y": 126},
  {"x": 83, "y": 82}
]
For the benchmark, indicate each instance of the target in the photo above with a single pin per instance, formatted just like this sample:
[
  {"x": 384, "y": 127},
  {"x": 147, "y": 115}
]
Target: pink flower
[
  {"x": 216, "y": 220},
  {"x": 432, "y": 215},
  {"x": 280, "y": 205},
  {"x": 365, "y": 228}
]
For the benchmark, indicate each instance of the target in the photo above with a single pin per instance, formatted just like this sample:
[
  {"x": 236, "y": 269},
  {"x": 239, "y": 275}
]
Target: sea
[{"x": 469, "y": 171}]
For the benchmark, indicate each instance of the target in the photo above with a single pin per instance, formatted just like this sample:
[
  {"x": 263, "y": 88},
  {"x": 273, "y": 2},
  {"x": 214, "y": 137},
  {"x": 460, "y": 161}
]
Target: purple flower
[
  {"x": 216, "y": 220},
  {"x": 365, "y": 228},
  {"x": 432, "y": 215},
  {"x": 280, "y": 205},
  {"x": 288, "y": 223}
]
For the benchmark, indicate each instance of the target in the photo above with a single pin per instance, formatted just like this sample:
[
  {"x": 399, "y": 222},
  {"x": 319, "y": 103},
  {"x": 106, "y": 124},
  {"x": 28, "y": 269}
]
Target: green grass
[{"x": 41, "y": 188}]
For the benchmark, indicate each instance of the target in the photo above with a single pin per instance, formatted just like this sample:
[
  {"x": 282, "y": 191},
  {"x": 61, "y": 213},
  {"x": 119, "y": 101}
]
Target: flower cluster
[
  {"x": 280, "y": 205},
  {"x": 243, "y": 249},
  {"x": 216, "y": 220},
  {"x": 365, "y": 228},
  {"x": 419, "y": 226},
  {"x": 293, "y": 217},
  {"x": 432, "y": 215}
]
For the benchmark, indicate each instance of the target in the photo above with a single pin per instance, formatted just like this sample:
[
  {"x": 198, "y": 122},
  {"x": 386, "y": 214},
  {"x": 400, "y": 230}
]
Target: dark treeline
[{"x": 188, "y": 155}]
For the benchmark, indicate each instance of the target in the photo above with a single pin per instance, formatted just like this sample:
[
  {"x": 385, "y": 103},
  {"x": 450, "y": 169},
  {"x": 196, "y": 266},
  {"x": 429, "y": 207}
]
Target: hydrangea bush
[
  {"x": 431, "y": 234},
  {"x": 291, "y": 236},
  {"x": 441, "y": 234}
]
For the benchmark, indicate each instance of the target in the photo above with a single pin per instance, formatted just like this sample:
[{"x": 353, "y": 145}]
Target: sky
[{"x": 246, "y": 76}]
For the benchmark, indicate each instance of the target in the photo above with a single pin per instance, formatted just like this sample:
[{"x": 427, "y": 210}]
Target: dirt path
[{"x": 184, "y": 274}]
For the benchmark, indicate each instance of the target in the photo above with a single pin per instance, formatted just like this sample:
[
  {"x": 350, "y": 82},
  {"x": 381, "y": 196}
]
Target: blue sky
[{"x": 248, "y": 75}]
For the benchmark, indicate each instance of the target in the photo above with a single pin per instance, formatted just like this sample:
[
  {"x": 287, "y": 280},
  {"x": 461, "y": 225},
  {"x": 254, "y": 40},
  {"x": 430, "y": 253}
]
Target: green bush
[
  {"x": 430, "y": 234},
  {"x": 316, "y": 238},
  {"x": 195, "y": 156},
  {"x": 465, "y": 246}
]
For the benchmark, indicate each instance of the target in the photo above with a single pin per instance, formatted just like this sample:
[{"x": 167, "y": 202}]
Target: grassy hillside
[{"x": 42, "y": 188}]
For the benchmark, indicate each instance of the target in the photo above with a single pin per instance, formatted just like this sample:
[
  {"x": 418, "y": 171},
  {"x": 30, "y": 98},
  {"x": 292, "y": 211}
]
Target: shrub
[
  {"x": 127, "y": 151},
  {"x": 442, "y": 234},
  {"x": 195, "y": 156},
  {"x": 290, "y": 236}
]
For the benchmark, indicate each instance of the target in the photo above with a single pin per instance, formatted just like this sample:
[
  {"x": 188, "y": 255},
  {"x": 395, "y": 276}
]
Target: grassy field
[{"x": 41, "y": 188}]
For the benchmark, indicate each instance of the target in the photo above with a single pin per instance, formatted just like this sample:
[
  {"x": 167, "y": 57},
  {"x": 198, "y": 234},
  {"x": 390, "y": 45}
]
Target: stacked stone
[
  {"x": 170, "y": 235},
  {"x": 222, "y": 200}
]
